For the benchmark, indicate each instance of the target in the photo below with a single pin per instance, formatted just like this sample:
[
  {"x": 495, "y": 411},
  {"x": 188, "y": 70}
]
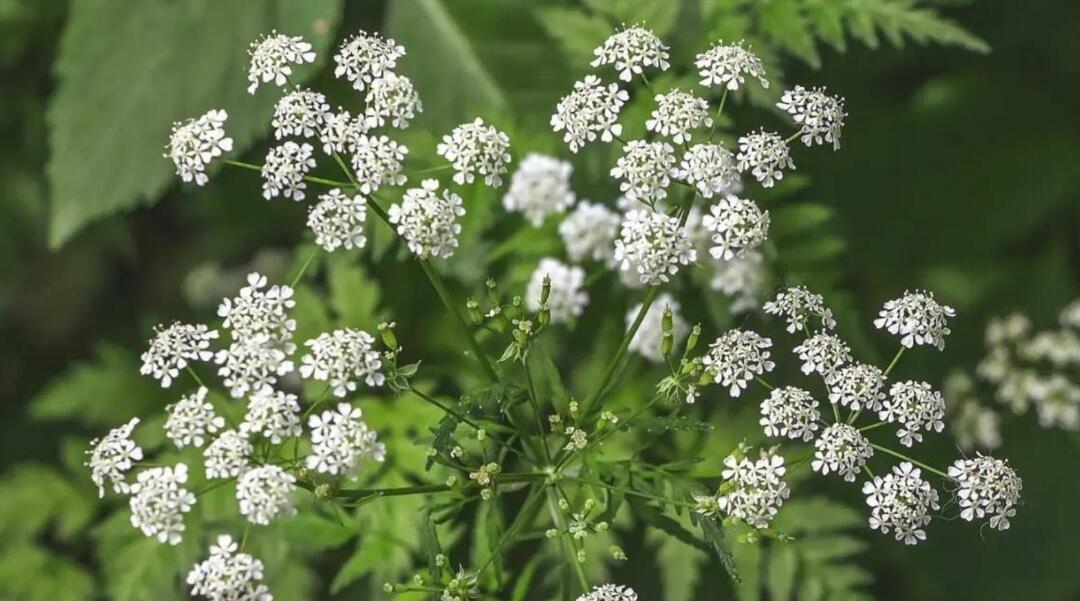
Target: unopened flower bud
[
  {"x": 472, "y": 308},
  {"x": 692, "y": 340},
  {"x": 485, "y": 494},
  {"x": 581, "y": 555},
  {"x": 440, "y": 560},
  {"x": 601, "y": 526},
  {"x": 388, "y": 588},
  {"x": 551, "y": 533},
  {"x": 324, "y": 492},
  {"x": 386, "y": 330},
  {"x": 564, "y": 505},
  {"x": 617, "y": 553}
]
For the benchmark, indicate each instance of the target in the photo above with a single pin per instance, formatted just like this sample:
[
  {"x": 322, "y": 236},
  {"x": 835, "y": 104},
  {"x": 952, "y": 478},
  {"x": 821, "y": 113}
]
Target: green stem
[
  {"x": 892, "y": 363},
  {"x": 613, "y": 366},
  {"x": 303, "y": 268},
  {"x": 872, "y": 426},
  {"x": 792, "y": 137},
  {"x": 532, "y": 503},
  {"x": 567, "y": 543},
  {"x": 465, "y": 420},
  {"x": 762, "y": 381},
  {"x": 195, "y": 376},
  {"x": 535, "y": 404},
  {"x": 634, "y": 493},
  {"x": 719, "y": 110},
  {"x": 904, "y": 457},
  {"x": 314, "y": 180},
  {"x": 421, "y": 489}
]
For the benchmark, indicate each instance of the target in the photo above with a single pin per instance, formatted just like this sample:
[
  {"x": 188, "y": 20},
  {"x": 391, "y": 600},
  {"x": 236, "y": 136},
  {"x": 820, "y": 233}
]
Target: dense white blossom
[
  {"x": 736, "y": 225},
  {"x": 631, "y": 51},
  {"x": 337, "y": 220},
  {"x": 476, "y": 148},
  {"x": 650, "y": 334},
  {"x": 645, "y": 170},
  {"x": 729, "y": 66},
  {"x": 842, "y": 449},
  {"x": 915, "y": 406},
  {"x": 741, "y": 278},
  {"x": 710, "y": 168},
  {"x": 194, "y": 143},
  {"x": 1057, "y": 401},
  {"x": 260, "y": 309},
  {"x": 736, "y": 357},
  {"x": 366, "y": 57},
  {"x": 250, "y": 364},
  {"x": 857, "y": 387},
  {"x": 284, "y": 170},
  {"x": 589, "y": 112},
  {"x": 589, "y": 232},
  {"x": 986, "y": 487},
  {"x": 652, "y": 245},
  {"x": 823, "y": 353},
  {"x": 301, "y": 112},
  {"x": 820, "y": 116},
  {"x": 428, "y": 221},
  {"x": 191, "y": 419},
  {"x": 677, "y": 114},
  {"x": 228, "y": 575},
  {"x": 112, "y": 457},
  {"x": 609, "y": 592},
  {"x": 228, "y": 455},
  {"x": 392, "y": 99},
  {"x": 264, "y": 493},
  {"x": 766, "y": 155},
  {"x": 797, "y": 305},
  {"x": 173, "y": 348},
  {"x": 343, "y": 358},
  {"x": 272, "y": 58},
  {"x": 273, "y": 414},
  {"x": 376, "y": 162},
  {"x": 339, "y": 439},
  {"x": 340, "y": 132},
  {"x": 540, "y": 187},
  {"x": 758, "y": 488},
  {"x": 917, "y": 318},
  {"x": 159, "y": 501},
  {"x": 901, "y": 502},
  {"x": 566, "y": 299},
  {"x": 790, "y": 412}
]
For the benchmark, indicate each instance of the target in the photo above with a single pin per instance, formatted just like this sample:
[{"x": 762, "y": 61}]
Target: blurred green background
[{"x": 957, "y": 174}]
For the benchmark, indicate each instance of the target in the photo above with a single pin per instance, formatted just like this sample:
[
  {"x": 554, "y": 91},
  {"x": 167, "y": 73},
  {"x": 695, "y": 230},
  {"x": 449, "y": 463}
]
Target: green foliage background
[{"x": 957, "y": 174}]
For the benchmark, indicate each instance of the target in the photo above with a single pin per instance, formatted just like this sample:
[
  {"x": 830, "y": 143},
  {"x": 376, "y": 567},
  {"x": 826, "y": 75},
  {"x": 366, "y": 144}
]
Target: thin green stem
[
  {"x": 535, "y": 404},
  {"x": 567, "y": 542},
  {"x": 792, "y": 137},
  {"x": 195, "y": 376},
  {"x": 314, "y": 180},
  {"x": 461, "y": 418},
  {"x": 904, "y": 457},
  {"x": 422, "y": 489},
  {"x": 719, "y": 110},
  {"x": 895, "y": 358},
  {"x": 532, "y": 503},
  {"x": 613, "y": 366},
  {"x": 762, "y": 381},
  {"x": 474, "y": 345},
  {"x": 634, "y": 493},
  {"x": 872, "y": 426},
  {"x": 303, "y": 268}
]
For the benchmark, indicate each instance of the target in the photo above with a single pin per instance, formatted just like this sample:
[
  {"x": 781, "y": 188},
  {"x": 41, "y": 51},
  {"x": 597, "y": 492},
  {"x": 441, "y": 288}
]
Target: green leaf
[
  {"x": 32, "y": 497},
  {"x": 714, "y": 535},
  {"x": 31, "y": 573},
  {"x": 118, "y": 93},
  {"x": 654, "y": 517},
  {"x": 899, "y": 18},
  {"x": 782, "y": 566},
  {"x": 354, "y": 297},
  {"x": 657, "y": 15},
  {"x": 576, "y": 32}
]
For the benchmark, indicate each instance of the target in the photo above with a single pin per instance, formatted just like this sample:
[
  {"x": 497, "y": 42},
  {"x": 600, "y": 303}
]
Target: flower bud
[
  {"x": 386, "y": 330},
  {"x": 324, "y": 492},
  {"x": 472, "y": 308},
  {"x": 692, "y": 341},
  {"x": 551, "y": 533},
  {"x": 617, "y": 553}
]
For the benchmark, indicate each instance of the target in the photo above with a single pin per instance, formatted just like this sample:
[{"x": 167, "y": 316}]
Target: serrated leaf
[
  {"x": 654, "y": 517},
  {"x": 714, "y": 535},
  {"x": 900, "y": 18},
  {"x": 354, "y": 297},
  {"x": 657, "y": 15},
  {"x": 576, "y": 32},
  {"x": 118, "y": 94},
  {"x": 34, "y": 496}
]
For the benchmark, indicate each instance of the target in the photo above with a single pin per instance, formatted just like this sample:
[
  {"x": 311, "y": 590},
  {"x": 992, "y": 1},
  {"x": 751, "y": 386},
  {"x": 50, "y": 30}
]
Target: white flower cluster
[
  {"x": 790, "y": 412},
  {"x": 901, "y": 502},
  {"x": 737, "y": 357},
  {"x": 228, "y": 575},
  {"x": 797, "y": 305},
  {"x": 645, "y": 169},
  {"x": 339, "y": 440},
  {"x": 285, "y": 168},
  {"x": 173, "y": 348},
  {"x": 631, "y": 51},
  {"x": 677, "y": 113},
  {"x": 986, "y": 487},
  {"x": 337, "y": 220},
  {"x": 265, "y": 493},
  {"x": 589, "y": 112},
  {"x": 758, "y": 488},
  {"x": 741, "y": 278},
  {"x": 566, "y": 299},
  {"x": 341, "y": 132},
  {"x": 428, "y": 221},
  {"x": 653, "y": 245},
  {"x": 736, "y": 225},
  {"x": 766, "y": 155},
  {"x": 261, "y": 336},
  {"x": 159, "y": 501},
  {"x": 194, "y": 143},
  {"x": 376, "y": 162},
  {"x": 729, "y": 66},
  {"x": 273, "y": 56},
  {"x": 272, "y": 414},
  {"x": 609, "y": 592},
  {"x": 915, "y": 406},
  {"x": 540, "y": 187},
  {"x": 857, "y": 387},
  {"x": 476, "y": 148},
  {"x": 301, "y": 113},
  {"x": 710, "y": 168},
  {"x": 228, "y": 456},
  {"x": 342, "y": 358},
  {"x": 823, "y": 353},
  {"x": 191, "y": 419},
  {"x": 842, "y": 449},
  {"x": 589, "y": 232},
  {"x": 917, "y": 318},
  {"x": 112, "y": 457},
  {"x": 392, "y": 99},
  {"x": 366, "y": 57},
  {"x": 650, "y": 334},
  {"x": 820, "y": 115}
]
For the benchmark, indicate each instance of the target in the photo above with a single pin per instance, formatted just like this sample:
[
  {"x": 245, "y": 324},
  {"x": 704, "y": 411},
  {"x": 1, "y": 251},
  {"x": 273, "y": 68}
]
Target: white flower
[
  {"x": 650, "y": 334},
  {"x": 112, "y": 457},
  {"x": 915, "y": 406},
  {"x": 259, "y": 309},
  {"x": 986, "y": 487},
  {"x": 474, "y": 148},
  {"x": 338, "y": 220},
  {"x": 159, "y": 501},
  {"x": 1057, "y": 401},
  {"x": 264, "y": 493},
  {"x": 251, "y": 364},
  {"x": 228, "y": 575},
  {"x": 366, "y": 57},
  {"x": 172, "y": 348},
  {"x": 842, "y": 449},
  {"x": 428, "y": 221},
  {"x": 301, "y": 112},
  {"x": 1070, "y": 315},
  {"x": 609, "y": 592},
  {"x": 765, "y": 155},
  {"x": 740, "y": 278},
  {"x": 677, "y": 113},
  {"x": 736, "y": 358},
  {"x": 589, "y": 231},
  {"x": 284, "y": 170},
  {"x": 540, "y": 187},
  {"x": 823, "y": 353},
  {"x": 820, "y": 115},
  {"x": 590, "y": 111},
  {"x": 566, "y": 299},
  {"x": 191, "y": 419},
  {"x": 228, "y": 456},
  {"x": 392, "y": 98},
  {"x": 758, "y": 488},
  {"x": 272, "y": 57},
  {"x": 645, "y": 169},
  {"x": 858, "y": 387},
  {"x": 710, "y": 168},
  {"x": 729, "y": 66},
  {"x": 976, "y": 426},
  {"x": 273, "y": 414},
  {"x": 918, "y": 318},
  {"x": 790, "y": 412},
  {"x": 341, "y": 131},
  {"x": 901, "y": 502},
  {"x": 653, "y": 245},
  {"x": 342, "y": 358},
  {"x": 631, "y": 51},
  {"x": 737, "y": 225},
  {"x": 194, "y": 143},
  {"x": 376, "y": 161},
  {"x": 339, "y": 439},
  {"x": 797, "y": 305}
]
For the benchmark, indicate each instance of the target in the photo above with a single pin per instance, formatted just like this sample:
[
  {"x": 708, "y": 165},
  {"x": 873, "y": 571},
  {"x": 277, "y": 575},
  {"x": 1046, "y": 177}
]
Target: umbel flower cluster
[{"x": 682, "y": 204}]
